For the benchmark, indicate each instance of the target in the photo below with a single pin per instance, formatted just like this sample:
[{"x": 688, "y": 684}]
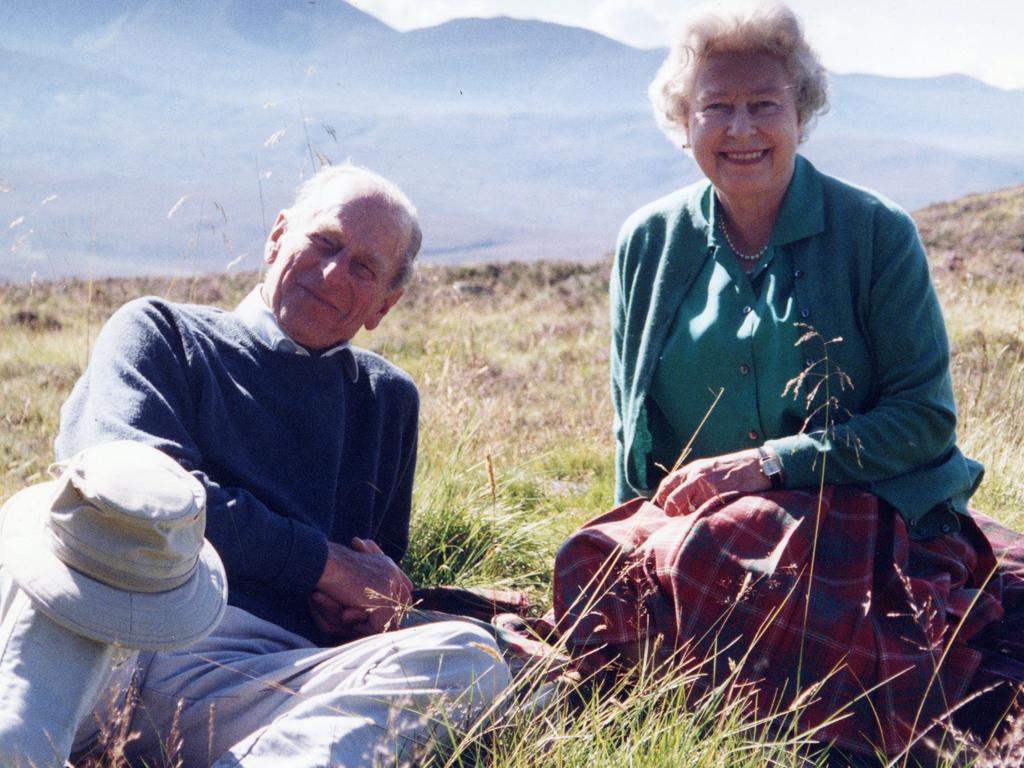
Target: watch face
[{"x": 771, "y": 467}]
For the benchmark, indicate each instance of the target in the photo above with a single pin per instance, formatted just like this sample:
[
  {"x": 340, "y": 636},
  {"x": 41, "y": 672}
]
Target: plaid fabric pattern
[
  {"x": 1002, "y": 642},
  {"x": 796, "y": 593}
]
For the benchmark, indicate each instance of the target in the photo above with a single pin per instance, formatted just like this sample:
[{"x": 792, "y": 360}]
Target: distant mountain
[
  {"x": 515, "y": 65},
  {"x": 299, "y": 26},
  {"x": 163, "y": 135},
  {"x": 953, "y": 112}
]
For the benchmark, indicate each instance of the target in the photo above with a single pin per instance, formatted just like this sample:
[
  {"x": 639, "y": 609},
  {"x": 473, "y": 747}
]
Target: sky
[{"x": 899, "y": 38}]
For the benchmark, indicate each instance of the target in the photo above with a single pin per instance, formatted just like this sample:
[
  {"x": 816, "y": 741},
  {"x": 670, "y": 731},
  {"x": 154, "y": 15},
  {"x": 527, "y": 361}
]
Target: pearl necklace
[{"x": 744, "y": 256}]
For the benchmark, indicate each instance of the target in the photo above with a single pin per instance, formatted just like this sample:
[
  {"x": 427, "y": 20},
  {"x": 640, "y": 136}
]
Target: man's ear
[
  {"x": 389, "y": 301},
  {"x": 272, "y": 247}
]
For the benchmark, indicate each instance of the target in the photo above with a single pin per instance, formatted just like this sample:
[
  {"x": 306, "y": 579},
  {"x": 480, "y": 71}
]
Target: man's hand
[
  {"x": 360, "y": 591},
  {"x": 693, "y": 484}
]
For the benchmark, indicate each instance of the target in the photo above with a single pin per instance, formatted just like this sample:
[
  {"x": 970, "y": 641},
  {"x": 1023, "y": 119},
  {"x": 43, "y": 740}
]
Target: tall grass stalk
[{"x": 512, "y": 363}]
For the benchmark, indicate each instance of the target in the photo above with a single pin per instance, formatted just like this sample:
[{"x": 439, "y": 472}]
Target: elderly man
[{"x": 306, "y": 446}]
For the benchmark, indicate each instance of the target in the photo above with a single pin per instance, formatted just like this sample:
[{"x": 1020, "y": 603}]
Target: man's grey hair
[{"x": 353, "y": 176}]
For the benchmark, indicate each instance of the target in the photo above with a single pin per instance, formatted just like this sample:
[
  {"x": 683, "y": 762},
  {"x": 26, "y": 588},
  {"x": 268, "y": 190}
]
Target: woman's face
[{"x": 743, "y": 127}]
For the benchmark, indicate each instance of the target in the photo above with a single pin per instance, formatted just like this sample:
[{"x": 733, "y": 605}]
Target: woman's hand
[{"x": 693, "y": 484}]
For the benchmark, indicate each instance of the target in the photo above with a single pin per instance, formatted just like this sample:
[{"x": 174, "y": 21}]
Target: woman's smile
[{"x": 745, "y": 158}]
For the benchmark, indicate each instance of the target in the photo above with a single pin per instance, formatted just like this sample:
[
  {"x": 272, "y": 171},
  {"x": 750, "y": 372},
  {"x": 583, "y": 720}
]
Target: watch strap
[{"x": 771, "y": 468}]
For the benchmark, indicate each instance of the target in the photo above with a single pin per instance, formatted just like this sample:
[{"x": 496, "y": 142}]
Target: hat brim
[{"x": 148, "y": 621}]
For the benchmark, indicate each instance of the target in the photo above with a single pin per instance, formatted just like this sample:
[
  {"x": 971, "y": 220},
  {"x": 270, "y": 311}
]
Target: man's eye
[
  {"x": 322, "y": 243},
  {"x": 364, "y": 270}
]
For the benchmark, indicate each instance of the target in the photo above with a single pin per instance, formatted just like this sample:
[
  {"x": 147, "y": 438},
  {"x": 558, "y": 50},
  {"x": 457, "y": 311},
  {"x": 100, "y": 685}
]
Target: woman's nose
[{"x": 741, "y": 122}]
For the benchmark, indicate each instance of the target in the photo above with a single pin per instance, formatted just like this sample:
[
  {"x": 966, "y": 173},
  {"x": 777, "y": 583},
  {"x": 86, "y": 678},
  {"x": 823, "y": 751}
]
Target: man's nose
[{"x": 333, "y": 269}]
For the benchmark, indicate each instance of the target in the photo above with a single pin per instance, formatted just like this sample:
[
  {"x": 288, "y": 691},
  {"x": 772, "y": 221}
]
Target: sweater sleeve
[
  {"x": 138, "y": 387},
  {"x": 393, "y": 535},
  {"x": 911, "y": 422}
]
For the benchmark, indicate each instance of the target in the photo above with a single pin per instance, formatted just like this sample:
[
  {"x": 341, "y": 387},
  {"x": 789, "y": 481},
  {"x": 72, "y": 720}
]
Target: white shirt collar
[{"x": 258, "y": 318}]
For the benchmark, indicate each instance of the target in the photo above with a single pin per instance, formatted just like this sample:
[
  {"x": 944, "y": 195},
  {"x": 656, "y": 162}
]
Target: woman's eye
[
  {"x": 715, "y": 110},
  {"x": 766, "y": 107}
]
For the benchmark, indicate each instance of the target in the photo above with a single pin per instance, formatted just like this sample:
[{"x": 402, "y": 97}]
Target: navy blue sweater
[{"x": 291, "y": 450}]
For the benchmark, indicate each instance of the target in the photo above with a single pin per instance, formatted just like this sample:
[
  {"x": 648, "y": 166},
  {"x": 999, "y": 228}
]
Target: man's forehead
[{"x": 338, "y": 199}]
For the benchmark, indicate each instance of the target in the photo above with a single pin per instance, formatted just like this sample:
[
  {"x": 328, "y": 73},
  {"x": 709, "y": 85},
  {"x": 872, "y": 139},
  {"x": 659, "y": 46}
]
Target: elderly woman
[{"x": 780, "y": 377}]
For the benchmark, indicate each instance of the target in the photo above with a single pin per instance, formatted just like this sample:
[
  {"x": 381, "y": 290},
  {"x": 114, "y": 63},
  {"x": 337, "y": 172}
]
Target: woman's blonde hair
[{"x": 768, "y": 28}]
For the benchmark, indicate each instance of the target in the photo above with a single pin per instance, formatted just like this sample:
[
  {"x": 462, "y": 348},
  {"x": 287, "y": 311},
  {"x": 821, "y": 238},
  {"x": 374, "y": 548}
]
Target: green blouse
[
  {"x": 874, "y": 406},
  {"x": 740, "y": 333}
]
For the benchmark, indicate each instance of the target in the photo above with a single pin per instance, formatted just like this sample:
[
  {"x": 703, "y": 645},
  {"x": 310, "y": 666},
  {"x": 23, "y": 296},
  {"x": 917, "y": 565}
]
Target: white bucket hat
[{"x": 113, "y": 550}]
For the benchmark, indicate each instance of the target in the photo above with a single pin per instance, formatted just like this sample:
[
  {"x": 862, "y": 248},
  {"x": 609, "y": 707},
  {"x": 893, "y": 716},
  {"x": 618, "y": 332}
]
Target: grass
[{"x": 516, "y": 449}]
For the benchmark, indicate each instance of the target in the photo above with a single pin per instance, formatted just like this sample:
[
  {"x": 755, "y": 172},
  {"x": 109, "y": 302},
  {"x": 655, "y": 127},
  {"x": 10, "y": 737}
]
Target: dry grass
[
  {"x": 978, "y": 235},
  {"x": 516, "y": 447}
]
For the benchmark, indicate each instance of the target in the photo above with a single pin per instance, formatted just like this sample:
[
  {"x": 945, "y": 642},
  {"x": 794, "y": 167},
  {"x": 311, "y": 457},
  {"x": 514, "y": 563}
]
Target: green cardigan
[{"x": 860, "y": 273}]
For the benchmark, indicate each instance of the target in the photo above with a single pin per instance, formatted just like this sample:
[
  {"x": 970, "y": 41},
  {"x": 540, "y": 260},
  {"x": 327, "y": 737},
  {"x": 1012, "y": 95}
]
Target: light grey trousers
[
  {"x": 50, "y": 678},
  {"x": 251, "y": 694}
]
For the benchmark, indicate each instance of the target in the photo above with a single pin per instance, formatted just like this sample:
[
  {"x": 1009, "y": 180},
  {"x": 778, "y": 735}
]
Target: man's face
[{"x": 332, "y": 265}]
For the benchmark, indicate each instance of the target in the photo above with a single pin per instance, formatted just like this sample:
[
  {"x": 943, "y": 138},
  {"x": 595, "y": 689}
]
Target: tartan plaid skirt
[{"x": 804, "y": 603}]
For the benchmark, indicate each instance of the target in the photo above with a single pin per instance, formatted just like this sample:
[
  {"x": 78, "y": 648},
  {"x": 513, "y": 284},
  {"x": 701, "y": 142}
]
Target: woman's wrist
[{"x": 771, "y": 467}]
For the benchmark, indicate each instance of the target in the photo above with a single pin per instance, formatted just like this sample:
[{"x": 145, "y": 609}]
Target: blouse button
[
  {"x": 753, "y": 435},
  {"x": 805, "y": 313},
  {"x": 798, "y": 274},
  {"x": 808, "y": 363},
  {"x": 744, "y": 369},
  {"x": 747, "y": 310}
]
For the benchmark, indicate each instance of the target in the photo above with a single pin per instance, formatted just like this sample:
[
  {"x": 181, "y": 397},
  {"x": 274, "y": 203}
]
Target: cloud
[
  {"x": 413, "y": 14},
  {"x": 643, "y": 23},
  {"x": 910, "y": 39},
  {"x": 1004, "y": 69}
]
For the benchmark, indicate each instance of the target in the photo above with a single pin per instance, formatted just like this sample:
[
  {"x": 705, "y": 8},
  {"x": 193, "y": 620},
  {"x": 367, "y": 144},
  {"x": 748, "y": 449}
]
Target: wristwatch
[{"x": 771, "y": 468}]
